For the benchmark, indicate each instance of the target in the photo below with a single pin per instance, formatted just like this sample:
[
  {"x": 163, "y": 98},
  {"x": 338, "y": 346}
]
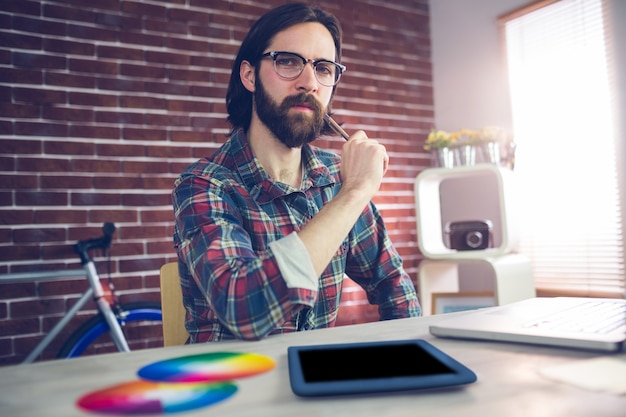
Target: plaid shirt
[{"x": 229, "y": 212}]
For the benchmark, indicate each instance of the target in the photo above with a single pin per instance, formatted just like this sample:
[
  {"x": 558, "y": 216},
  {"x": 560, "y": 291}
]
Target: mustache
[{"x": 302, "y": 98}]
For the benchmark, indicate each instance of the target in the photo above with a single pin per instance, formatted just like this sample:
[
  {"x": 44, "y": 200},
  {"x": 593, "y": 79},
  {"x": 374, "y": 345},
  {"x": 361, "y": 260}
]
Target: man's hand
[{"x": 364, "y": 162}]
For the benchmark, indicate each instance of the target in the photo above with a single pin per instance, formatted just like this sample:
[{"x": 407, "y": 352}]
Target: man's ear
[{"x": 247, "y": 75}]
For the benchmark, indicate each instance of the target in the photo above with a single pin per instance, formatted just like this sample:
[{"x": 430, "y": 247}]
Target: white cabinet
[
  {"x": 482, "y": 193},
  {"x": 508, "y": 277}
]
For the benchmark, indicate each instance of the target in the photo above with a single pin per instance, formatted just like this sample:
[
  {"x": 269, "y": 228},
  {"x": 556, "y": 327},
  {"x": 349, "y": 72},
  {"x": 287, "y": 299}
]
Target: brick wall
[{"x": 103, "y": 103}]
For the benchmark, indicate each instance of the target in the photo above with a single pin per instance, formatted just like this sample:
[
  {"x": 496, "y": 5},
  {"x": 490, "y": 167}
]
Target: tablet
[{"x": 366, "y": 367}]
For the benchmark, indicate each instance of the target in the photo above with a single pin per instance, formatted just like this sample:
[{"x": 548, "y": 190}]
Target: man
[{"x": 267, "y": 227}]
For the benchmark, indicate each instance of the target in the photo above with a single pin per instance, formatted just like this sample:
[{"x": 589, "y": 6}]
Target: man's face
[
  {"x": 292, "y": 128},
  {"x": 293, "y": 109}
]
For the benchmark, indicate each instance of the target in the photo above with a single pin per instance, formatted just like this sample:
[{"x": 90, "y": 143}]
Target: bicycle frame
[
  {"x": 95, "y": 291},
  {"x": 45, "y": 276}
]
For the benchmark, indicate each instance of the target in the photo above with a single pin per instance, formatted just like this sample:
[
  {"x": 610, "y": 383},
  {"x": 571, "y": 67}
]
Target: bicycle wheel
[{"x": 133, "y": 313}]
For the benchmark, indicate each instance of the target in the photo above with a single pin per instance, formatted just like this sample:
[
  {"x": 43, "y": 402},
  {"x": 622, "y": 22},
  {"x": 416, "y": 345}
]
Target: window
[{"x": 566, "y": 147}]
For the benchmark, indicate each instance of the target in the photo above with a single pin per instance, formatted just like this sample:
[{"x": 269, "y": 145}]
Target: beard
[{"x": 293, "y": 130}]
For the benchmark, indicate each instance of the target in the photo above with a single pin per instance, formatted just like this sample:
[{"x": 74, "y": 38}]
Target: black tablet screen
[{"x": 369, "y": 362}]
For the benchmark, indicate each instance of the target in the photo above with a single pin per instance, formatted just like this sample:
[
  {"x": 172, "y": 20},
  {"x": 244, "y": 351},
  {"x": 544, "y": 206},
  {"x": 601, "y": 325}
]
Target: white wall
[{"x": 469, "y": 71}]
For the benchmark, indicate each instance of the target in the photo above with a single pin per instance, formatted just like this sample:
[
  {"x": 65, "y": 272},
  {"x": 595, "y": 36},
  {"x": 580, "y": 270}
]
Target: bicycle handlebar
[{"x": 104, "y": 242}]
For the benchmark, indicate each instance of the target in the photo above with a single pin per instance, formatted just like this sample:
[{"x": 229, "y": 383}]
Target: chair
[{"x": 174, "y": 332}]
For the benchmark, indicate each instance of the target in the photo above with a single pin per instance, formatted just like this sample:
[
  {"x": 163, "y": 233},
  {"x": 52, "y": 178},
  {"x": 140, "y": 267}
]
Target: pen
[{"x": 334, "y": 126}]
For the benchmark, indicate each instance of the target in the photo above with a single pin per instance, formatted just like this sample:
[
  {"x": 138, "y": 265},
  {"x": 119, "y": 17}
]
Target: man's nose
[{"x": 307, "y": 79}]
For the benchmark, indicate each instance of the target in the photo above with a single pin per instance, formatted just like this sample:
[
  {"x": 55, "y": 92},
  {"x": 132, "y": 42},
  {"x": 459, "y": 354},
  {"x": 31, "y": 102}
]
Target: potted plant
[
  {"x": 491, "y": 139},
  {"x": 439, "y": 143}
]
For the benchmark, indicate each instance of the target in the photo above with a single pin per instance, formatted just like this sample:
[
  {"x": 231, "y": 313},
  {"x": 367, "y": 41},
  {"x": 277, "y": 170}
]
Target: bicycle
[{"x": 113, "y": 316}]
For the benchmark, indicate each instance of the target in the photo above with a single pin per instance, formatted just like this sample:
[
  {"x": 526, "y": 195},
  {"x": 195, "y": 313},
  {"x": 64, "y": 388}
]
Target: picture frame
[{"x": 450, "y": 302}]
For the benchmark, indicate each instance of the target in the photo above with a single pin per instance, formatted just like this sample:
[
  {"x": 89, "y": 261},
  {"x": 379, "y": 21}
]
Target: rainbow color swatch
[
  {"x": 146, "y": 397},
  {"x": 179, "y": 384},
  {"x": 207, "y": 367}
]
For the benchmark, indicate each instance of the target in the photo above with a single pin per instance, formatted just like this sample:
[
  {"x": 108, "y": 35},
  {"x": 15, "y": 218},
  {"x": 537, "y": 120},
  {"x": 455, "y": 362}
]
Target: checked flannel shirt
[{"x": 244, "y": 271}]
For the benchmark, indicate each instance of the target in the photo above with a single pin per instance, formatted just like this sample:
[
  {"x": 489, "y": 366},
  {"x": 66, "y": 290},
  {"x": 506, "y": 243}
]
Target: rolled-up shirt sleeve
[{"x": 294, "y": 262}]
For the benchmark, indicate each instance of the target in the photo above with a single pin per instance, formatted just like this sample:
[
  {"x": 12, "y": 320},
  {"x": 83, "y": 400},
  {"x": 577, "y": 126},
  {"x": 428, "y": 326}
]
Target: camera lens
[{"x": 474, "y": 239}]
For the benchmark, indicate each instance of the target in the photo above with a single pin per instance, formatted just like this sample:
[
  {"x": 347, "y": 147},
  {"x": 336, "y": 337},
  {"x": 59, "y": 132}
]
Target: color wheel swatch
[
  {"x": 146, "y": 397},
  {"x": 207, "y": 367},
  {"x": 178, "y": 384}
]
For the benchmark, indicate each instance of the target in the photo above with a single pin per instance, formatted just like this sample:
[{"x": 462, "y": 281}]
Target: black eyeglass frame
[{"x": 274, "y": 54}]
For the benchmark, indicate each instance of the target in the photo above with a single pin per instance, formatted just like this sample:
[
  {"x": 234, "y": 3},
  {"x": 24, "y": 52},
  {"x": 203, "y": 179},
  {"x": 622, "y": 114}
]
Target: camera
[{"x": 469, "y": 235}]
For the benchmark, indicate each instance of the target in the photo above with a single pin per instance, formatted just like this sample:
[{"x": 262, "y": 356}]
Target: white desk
[{"x": 508, "y": 385}]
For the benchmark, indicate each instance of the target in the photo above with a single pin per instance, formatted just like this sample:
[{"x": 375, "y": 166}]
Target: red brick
[
  {"x": 68, "y": 47},
  {"x": 113, "y": 216},
  {"x": 143, "y": 71},
  {"x": 141, "y": 9},
  {"x": 179, "y": 89},
  {"x": 156, "y": 183},
  {"x": 141, "y": 39},
  {"x": 65, "y": 182},
  {"x": 22, "y": 7},
  {"x": 92, "y": 99},
  {"x": 167, "y": 120},
  {"x": 167, "y": 58},
  {"x": 16, "y": 216},
  {"x": 37, "y": 25},
  {"x": 143, "y": 264},
  {"x": 118, "y": 52},
  {"x": 19, "y": 326},
  {"x": 90, "y": 32},
  {"x": 69, "y": 80},
  {"x": 19, "y": 253},
  {"x": 19, "y": 76},
  {"x": 20, "y": 41},
  {"x": 117, "y": 84},
  {"x": 40, "y": 198},
  {"x": 120, "y": 150},
  {"x": 188, "y": 106},
  {"x": 36, "y": 307},
  {"x": 172, "y": 27},
  {"x": 20, "y": 110},
  {"x": 31, "y": 60},
  {"x": 119, "y": 183},
  {"x": 39, "y": 96},
  {"x": 147, "y": 199},
  {"x": 155, "y": 135},
  {"x": 127, "y": 249},
  {"x": 94, "y": 131},
  {"x": 40, "y": 129},
  {"x": 95, "y": 199},
  {"x": 161, "y": 247},
  {"x": 119, "y": 118},
  {"x": 144, "y": 167},
  {"x": 157, "y": 216},
  {"x": 67, "y": 114},
  {"x": 42, "y": 164},
  {"x": 59, "y": 216},
  {"x": 98, "y": 165},
  {"x": 143, "y": 102},
  {"x": 93, "y": 66},
  {"x": 39, "y": 235},
  {"x": 21, "y": 146}
]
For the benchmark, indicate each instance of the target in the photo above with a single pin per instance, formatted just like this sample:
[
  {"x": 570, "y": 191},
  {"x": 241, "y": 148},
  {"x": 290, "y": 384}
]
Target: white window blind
[{"x": 566, "y": 150}]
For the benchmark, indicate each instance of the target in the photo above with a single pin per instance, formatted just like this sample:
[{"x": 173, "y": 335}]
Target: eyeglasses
[{"x": 289, "y": 66}]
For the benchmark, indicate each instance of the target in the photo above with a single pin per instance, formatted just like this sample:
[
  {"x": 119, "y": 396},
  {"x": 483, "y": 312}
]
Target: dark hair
[{"x": 238, "y": 99}]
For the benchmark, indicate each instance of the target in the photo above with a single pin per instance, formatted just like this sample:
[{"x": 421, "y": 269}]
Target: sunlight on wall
[{"x": 566, "y": 161}]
